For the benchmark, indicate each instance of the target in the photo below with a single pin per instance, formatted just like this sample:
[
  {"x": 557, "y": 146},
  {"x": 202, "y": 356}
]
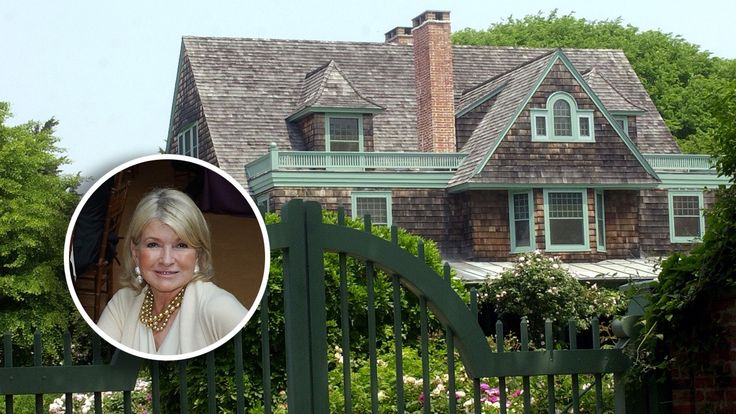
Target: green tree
[
  {"x": 682, "y": 80},
  {"x": 36, "y": 202}
]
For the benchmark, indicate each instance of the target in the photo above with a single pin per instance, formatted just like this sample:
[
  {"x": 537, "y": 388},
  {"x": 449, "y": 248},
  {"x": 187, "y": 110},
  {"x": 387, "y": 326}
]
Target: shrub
[{"x": 539, "y": 287}]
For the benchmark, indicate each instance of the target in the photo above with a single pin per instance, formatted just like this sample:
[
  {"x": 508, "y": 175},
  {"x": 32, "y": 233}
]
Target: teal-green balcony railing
[
  {"x": 276, "y": 160},
  {"x": 680, "y": 162}
]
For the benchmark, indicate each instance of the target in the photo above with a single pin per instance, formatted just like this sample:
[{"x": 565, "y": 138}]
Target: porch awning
[{"x": 619, "y": 270}]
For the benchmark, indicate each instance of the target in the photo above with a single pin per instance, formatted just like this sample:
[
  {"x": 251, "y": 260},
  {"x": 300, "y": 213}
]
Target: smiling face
[{"x": 166, "y": 261}]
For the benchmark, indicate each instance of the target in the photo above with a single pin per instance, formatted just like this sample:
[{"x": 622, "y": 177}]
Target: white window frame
[
  {"x": 576, "y": 115},
  {"x": 512, "y": 223},
  {"x": 600, "y": 221},
  {"x": 671, "y": 213},
  {"x": 187, "y": 141},
  {"x": 328, "y": 138},
  {"x": 547, "y": 229},
  {"x": 386, "y": 195}
]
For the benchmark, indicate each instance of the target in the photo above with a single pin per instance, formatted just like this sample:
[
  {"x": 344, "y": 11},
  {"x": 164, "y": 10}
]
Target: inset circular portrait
[{"x": 166, "y": 257}]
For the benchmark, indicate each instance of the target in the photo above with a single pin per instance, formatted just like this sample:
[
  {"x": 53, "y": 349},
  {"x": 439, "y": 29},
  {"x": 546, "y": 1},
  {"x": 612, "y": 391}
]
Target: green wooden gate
[{"x": 304, "y": 240}]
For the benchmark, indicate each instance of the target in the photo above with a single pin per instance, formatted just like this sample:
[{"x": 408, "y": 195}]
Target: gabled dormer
[{"x": 332, "y": 114}]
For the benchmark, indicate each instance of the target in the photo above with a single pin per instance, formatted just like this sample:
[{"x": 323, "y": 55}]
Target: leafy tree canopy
[
  {"x": 682, "y": 80},
  {"x": 36, "y": 202}
]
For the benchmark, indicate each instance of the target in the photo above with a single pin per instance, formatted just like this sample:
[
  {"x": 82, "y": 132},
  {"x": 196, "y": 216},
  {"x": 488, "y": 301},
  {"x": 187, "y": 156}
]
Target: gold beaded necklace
[{"x": 158, "y": 322}]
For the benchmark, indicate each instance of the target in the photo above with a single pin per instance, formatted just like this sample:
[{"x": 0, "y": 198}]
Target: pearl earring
[
  {"x": 138, "y": 276},
  {"x": 196, "y": 268}
]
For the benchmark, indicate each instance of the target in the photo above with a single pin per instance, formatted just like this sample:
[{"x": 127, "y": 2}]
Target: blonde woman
[{"x": 168, "y": 304}]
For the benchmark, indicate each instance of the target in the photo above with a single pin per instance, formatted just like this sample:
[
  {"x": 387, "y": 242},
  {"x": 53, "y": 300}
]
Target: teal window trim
[
  {"x": 512, "y": 222},
  {"x": 187, "y": 141},
  {"x": 385, "y": 195},
  {"x": 624, "y": 122},
  {"x": 576, "y": 116},
  {"x": 547, "y": 228},
  {"x": 264, "y": 200},
  {"x": 328, "y": 138},
  {"x": 600, "y": 220},
  {"x": 671, "y": 213}
]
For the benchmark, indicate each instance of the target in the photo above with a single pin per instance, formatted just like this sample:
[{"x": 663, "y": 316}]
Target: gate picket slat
[
  {"x": 526, "y": 388},
  {"x": 211, "y": 401},
  {"x": 68, "y": 400},
  {"x": 572, "y": 332},
  {"x": 398, "y": 345},
  {"x": 450, "y": 342},
  {"x": 476, "y": 381},
  {"x": 97, "y": 360},
  {"x": 265, "y": 361},
  {"x": 596, "y": 332},
  {"x": 38, "y": 361},
  {"x": 373, "y": 359},
  {"x": 423, "y": 321},
  {"x": 183, "y": 391},
  {"x": 345, "y": 328},
  {"x": 344, "y": 321},
  {"x": 501, "y": 380},
  {"x": 8, "y": 363},
  {"x": 155, "y": 388},
  {"x": 549, "y": 346},
  {"x": 127, "y": 403}
]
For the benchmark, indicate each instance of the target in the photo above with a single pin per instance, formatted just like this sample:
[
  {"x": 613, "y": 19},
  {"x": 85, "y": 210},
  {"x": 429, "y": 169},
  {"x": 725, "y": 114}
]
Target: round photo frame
[{"x": 240, "y": 246}]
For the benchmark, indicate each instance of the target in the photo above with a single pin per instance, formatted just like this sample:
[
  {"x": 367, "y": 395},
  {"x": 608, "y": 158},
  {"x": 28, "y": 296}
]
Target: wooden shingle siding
[
  {"x": 188, "y": 111},
  {"x": 368, "y": 133},
  {"x": 654, "y": 226},
  {"x": 489, "y": 224},
  {"x": 622, "y": 224},
  {"x": 420, "y": 211},
  {"x": 457, "y": 242},
  {"x": 466, "y": 124},
  {"x": 607, "y": 160},
  {"x": 313, "y": 129}
]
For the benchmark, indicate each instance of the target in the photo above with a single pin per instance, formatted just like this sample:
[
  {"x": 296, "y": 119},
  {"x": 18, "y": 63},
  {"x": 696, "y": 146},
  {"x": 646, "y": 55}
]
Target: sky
[{"x": 106, "y": 70}]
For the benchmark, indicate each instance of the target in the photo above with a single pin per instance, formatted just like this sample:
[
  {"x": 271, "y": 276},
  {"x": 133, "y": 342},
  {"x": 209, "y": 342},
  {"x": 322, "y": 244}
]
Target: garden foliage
[{"x": 540, "y": 287}]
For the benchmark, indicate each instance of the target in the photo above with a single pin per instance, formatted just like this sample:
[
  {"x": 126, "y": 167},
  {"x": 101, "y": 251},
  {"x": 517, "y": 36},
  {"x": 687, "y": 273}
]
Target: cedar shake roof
[
  {"x": 248, "y": 87},
  {"x": 518, "y": 84},
  {"x": 607, "y": 93},
  {"x": 327, "y": 87},
  {"x": 501, "y": 150}
]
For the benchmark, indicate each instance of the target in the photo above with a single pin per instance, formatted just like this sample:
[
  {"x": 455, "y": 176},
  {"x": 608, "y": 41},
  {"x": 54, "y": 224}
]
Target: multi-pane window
[
  {"x": 188, "y": 142},
  {"x": 521, "y": 221},
  {"x": 375, "y": 204},
  {"x": 540, "y": 125},
  {"x": 584, "y": 126},
  {"x": 566, "y": 220},
  {"x": 686, "y": 218},
  {"x": 562, "y": 119},
  {"x": 344, "y": 133},
  {"x": 600, "y": 220}
]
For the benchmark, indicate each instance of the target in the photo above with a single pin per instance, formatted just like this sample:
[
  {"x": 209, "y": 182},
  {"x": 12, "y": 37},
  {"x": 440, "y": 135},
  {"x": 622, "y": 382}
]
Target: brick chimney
[
  {"x": 434, "y": 82},
  {"x": 399, "y": 35}
]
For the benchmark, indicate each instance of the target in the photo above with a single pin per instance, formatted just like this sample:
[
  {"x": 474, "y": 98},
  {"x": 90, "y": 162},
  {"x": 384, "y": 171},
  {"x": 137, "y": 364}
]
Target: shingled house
[{"x": 490, "y": 151}]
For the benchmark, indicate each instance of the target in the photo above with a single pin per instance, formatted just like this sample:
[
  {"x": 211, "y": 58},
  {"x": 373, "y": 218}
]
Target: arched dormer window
[{"x": 562, "y": 120}]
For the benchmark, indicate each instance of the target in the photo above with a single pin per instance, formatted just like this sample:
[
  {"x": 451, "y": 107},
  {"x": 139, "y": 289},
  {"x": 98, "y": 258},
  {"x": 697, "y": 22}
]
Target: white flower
[
  {"x": 381, "y": 395},
  {"x": 468, "y": 403}
]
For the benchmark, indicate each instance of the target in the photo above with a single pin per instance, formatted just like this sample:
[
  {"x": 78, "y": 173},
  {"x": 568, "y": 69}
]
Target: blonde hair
[{"x": 178, "y": 211}]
